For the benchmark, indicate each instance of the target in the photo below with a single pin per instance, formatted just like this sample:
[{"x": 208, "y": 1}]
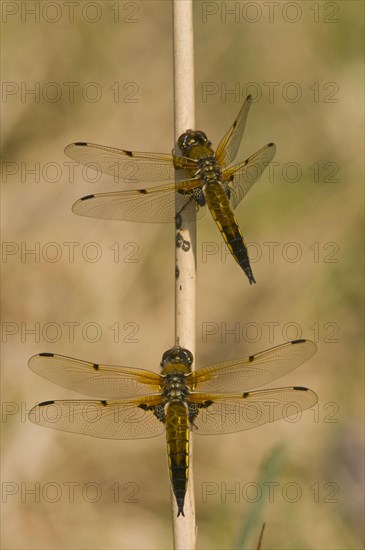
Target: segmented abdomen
[
  {"x": 225, "y": 219},
  {"x": 177, "y": 437}
]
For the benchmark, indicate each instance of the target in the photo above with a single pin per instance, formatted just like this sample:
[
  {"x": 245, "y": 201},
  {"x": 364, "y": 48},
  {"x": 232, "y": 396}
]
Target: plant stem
[{"x": 184, "y": 528}]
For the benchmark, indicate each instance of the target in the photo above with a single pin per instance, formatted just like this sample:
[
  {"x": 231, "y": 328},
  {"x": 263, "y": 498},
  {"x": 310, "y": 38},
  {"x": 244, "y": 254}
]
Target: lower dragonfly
[
  {"x": 141, "y": 404},
  {"x": 210, "y": 182}
]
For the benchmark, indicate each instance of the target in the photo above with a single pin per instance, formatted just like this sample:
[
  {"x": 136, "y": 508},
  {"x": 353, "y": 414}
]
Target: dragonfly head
[
  {"x": 190, "y": 139},
  {"x": 177, "y": 355}
]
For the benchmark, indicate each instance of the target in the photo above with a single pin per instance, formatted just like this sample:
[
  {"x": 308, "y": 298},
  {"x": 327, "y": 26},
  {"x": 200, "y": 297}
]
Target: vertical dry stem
[{"x": 185, "y": 269}]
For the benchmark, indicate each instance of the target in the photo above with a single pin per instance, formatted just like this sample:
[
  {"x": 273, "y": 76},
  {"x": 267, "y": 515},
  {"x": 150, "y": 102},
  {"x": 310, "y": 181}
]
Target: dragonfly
[
  {"x": 139, "y": 403},
  {"x": 153, "y": 195}
]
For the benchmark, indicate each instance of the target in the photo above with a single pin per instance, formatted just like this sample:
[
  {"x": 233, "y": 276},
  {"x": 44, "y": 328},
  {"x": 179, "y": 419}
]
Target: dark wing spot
[
  {"x": 104, "y": 402},
  {"x": 251, "y": 358},
  {"x": 87, "y": 197},
  {"x": 45, "y": 403},
  {"x": 271, "y": 144},
  {"x": 96, "y": 367},
  {"x": 142, "y": 191},
  {"x": 245, "y": 394},
  {"x": 81, "y": 143},
  {"x": 300, "y": 388},
  {"x": 128, "y": 153},
  {"x": 144, "y": 406},
  {"x": 298, "y": 341},
  {"x": 45, "y": 354}
]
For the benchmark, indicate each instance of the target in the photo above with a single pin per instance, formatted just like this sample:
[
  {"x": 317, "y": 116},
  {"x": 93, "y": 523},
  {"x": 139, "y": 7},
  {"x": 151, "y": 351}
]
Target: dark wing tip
[
  {"x": 299, "y": 341},
  {"x": 272, "y": 144},
  {"x": 249, "y": 97},
  {"x": 44, "y": 403},
  {"x": 46, "y": 354},
  {"x": 80, "y": 143},
  {"x": 300, "y": 388},
  {"x": 87, "y": 197}
]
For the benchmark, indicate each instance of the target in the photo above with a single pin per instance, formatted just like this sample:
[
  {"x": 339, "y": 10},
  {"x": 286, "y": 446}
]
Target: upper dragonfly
[
  {"x": 211, "y": 181},
  {"x": 140, "y": 403}
]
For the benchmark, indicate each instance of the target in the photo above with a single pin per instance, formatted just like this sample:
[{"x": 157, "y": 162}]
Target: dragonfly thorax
[
  {"x": 209, "y": 170},
  {"x": 175, "y": 388}
]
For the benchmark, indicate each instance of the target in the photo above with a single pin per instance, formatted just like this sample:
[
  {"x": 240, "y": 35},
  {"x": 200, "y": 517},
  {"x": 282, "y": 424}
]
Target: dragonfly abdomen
[
  {"x": 177, "y": 437},
  {"x": 225, "y": 219}
]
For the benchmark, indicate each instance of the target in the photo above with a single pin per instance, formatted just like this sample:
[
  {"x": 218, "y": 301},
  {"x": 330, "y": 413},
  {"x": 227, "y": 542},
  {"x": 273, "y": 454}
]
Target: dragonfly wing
[
  {"x": 106, "y": 419},
  {"x": 242, "y": 176},
  {"x": 129, "y": 167},
  {"x": 227, "y": 149},
  {"x": 157, "y": 205},
  {"x": 234, "y": 413},
  {"x": 254, "y": 371},
  {"x": 95, "y": 379}
]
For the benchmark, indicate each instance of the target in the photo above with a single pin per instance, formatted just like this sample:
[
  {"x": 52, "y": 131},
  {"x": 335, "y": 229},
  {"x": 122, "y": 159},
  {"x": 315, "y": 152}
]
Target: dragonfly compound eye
[
  {"x": 186, "y": 356},
  {"x": 190, "y": 139},
  {"x": 177, "y": 355}
]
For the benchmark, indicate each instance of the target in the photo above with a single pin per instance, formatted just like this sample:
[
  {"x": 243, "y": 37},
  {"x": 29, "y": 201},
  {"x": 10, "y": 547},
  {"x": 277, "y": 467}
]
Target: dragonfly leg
[{"x": 178, "y": 219}]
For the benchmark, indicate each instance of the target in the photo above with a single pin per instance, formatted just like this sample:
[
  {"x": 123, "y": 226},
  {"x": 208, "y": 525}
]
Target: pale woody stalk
[{"x": 184, "y": 528}]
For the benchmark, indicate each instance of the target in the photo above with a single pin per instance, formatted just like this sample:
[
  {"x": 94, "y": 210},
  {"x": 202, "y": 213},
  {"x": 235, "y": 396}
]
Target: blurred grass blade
[
  {"x": 261, "y": 537},
  {"x": 250, "y": 526}
]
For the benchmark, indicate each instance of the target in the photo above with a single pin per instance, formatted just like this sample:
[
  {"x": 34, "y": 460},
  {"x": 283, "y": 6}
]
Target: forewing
[
  {"x": 227, "y": 149},
  {"x": 94, "y": 379},
  {"x": 128, "y": 167},
  {"x": 105, "y": 419},
  {"x": 234, "y": 413},
  {"x": 254, "y": 371},
  {"x": 246, "y": 173}
]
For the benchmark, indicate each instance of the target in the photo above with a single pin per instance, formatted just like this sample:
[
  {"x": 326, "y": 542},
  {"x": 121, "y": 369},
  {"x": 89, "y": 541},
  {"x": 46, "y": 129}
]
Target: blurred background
[{"x": 104, "y": 291}]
